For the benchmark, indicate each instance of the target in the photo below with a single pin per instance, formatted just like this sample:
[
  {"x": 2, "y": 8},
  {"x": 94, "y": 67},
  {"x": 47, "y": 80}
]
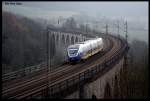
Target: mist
[{"x": 136, "y": 13}]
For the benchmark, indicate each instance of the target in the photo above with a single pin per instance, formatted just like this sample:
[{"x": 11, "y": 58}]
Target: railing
[
  {"x": 22, "y": 72},
  {"x": 57, "y": 89}
]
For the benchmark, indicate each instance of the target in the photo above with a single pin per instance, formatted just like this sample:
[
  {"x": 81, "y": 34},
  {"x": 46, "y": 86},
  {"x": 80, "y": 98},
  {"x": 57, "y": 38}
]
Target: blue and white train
[{"x": 84, "y": 50}]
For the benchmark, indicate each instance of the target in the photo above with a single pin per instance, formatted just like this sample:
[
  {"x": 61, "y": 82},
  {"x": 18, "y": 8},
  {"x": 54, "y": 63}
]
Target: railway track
[{"x": 26, "y": 87}]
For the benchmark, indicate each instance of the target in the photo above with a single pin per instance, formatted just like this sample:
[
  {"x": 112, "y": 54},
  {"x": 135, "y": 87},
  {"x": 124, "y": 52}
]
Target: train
[{"x": 83, "y": 50}]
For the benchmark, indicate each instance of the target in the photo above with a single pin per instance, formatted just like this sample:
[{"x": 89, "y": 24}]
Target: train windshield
[{"x": 73, "y": 51}]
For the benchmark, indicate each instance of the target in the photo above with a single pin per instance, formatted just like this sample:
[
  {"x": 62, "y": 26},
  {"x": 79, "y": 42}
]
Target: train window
[{"x": 73, "y": 51}]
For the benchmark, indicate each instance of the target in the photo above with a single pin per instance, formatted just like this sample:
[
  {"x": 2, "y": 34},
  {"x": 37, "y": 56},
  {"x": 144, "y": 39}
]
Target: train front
[{"x": 73, "y": 53}]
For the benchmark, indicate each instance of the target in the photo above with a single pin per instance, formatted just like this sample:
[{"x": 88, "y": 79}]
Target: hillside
[{"x": 23, "y": 41}]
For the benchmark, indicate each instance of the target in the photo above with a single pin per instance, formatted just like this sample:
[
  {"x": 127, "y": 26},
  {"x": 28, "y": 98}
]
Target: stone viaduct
[
  {"x": 101, "y": 87},
  {"x": 105, "y": 86},
  {"x": 66, "y": 38}
]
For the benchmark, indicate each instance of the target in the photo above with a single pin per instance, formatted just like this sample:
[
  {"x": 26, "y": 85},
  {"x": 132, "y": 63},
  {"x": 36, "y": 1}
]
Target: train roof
[
  {"x": 77, "y": 45},
  {"x": 88, "y": 40},
  {"x": 74, "y": 46},
  {"x": 92, "y": 40}
]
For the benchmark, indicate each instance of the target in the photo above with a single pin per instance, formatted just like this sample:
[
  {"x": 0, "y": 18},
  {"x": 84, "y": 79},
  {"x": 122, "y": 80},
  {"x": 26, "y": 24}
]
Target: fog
[
  {"x": 136, "y": 13},
  {"x": 26, "y": 45}
]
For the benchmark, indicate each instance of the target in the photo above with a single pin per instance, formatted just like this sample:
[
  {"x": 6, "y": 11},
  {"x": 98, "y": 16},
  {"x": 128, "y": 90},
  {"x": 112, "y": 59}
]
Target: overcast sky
[
  {"x": 131, "y": 11},
  {"x": 112, "y": 9}
]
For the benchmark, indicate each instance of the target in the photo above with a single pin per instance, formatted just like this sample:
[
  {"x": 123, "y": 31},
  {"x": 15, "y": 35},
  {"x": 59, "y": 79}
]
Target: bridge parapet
[{"x": 22, "y": 72}]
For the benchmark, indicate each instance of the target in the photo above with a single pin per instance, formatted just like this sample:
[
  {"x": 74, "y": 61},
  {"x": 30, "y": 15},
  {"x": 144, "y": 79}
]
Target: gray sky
[
  {"x": 136, "y": 12},
  {"x": 112, "y": 9}
]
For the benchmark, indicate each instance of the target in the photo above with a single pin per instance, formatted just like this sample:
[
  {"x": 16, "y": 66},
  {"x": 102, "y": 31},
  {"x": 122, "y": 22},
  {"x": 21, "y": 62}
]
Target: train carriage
[{"x": 84, "y": 50}]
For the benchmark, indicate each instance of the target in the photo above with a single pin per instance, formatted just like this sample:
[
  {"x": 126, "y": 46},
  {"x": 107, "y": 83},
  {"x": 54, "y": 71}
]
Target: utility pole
[
  {"x": 106, "y": 37},
  {"x": 86, "y": 28},
  {"x": 96, "y": 25},
  {"x": 118, "y": 27},
  {"x": 58, "y": 21},
  {"x": 126, "y": 31},
  {"x": 106, "y": 28},
  {"x": 126, "y": 62},
  {"x": 47, "y": 32}
]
